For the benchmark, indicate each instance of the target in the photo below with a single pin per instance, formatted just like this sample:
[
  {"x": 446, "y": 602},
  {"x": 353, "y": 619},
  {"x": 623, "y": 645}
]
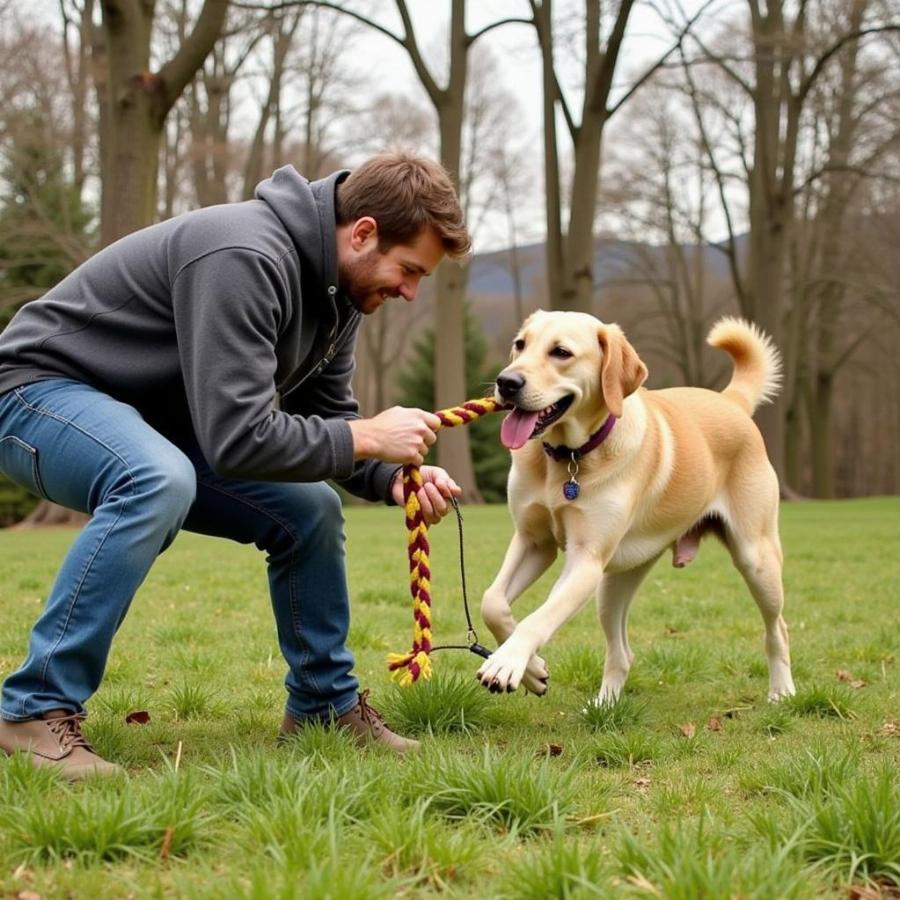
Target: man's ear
[
  {"x": 363, "y": 233},
  {"x": 621, "y": 372}
]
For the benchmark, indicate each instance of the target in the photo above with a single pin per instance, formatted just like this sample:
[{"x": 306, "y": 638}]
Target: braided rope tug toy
[{"x": 416, "y": 663}]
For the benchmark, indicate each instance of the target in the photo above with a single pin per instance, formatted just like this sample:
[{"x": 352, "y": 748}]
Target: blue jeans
[{"x": 80, "y": 448}]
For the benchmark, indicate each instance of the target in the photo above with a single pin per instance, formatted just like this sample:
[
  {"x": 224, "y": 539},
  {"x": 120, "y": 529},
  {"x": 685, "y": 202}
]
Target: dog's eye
[
  {"x": 560, "y": 353},
  {"x": 518, "y": 344}
]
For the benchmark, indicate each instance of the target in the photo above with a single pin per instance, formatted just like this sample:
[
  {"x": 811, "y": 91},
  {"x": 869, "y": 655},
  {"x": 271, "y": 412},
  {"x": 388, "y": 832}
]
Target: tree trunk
[
  {"x": 137, "y": 102},
  {"x": 543, "y": 21},
  {"x": 570, "y": 254},
  {"x": 454, "y": 448},
  {"x": 838, "y": 190},
  {"x": 47, "y": 514},
  {"x": 822, "y": 436},
  {"x": 134, "y": 105}
]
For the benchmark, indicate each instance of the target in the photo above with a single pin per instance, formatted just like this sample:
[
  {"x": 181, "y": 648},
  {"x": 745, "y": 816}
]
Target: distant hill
[{"x": 623, "y": 271}]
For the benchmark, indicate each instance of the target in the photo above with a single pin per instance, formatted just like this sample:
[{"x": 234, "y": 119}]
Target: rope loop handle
[{"x": 416, "y": 663}]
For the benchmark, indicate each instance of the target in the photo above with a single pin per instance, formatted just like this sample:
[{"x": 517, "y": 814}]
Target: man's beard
[{"x": 357, "y": 281}]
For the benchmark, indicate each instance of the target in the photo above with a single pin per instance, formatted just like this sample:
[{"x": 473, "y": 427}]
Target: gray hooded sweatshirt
[{"x": 224, "y": 322}]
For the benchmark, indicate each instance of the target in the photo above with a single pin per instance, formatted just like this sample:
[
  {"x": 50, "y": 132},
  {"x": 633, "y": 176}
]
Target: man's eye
[
  {"x": 519, "y": 344},
  {"x": 560, "y": 353}
]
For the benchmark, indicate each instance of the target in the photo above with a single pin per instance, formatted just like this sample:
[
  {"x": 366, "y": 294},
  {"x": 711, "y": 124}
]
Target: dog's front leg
[
  {"x": 524, "y": 563},
  {"x": 505, "y": 668}
]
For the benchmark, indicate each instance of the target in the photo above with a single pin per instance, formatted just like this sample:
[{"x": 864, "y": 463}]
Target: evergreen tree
[{"x": 416, "y": 383}]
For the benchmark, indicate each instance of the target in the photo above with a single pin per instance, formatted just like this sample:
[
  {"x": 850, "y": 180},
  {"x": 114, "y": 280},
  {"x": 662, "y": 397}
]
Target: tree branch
[
  {"x": 179, "y": 70},
  {"x": 557, "y": 87},
  {"x": 603, "y": 84},
  {"x": 721, "y": 63},
  {"x": 660, "y": 63},
  {"x": 474, "y": 37},
  {"x": 412, "y": 48},
  {"x": 324, "y": 4},
  {"x": 821, "y": 62}
]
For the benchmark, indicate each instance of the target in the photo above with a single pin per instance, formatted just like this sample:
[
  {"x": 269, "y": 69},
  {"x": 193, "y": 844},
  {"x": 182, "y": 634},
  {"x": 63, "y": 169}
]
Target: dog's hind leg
[
  {"x": 757, "y": 556},
  {"x": 614, "y": 598}
]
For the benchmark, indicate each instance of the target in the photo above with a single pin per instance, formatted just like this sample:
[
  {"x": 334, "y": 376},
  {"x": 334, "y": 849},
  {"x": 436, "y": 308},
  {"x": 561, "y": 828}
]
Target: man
[{"x": 196, "y": 375}]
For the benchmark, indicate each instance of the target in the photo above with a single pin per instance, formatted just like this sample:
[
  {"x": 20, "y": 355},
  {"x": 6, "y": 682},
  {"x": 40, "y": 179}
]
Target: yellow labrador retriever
[{"x": 615, "y": 475}]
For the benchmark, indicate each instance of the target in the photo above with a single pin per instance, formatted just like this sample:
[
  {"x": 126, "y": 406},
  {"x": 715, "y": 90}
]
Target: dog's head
[{"x": 565, "y": 367}]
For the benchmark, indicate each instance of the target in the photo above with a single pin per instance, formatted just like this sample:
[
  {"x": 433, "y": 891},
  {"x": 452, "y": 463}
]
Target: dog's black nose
[{"x": 509, "y": 385}]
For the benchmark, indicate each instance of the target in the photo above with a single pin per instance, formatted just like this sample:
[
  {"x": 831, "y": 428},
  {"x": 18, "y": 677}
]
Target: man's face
[{"x": 370, "y": 277}]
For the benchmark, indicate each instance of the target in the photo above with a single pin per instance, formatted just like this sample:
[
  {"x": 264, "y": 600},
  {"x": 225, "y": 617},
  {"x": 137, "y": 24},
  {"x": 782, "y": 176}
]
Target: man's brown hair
[{"x": 404, "y": 194}]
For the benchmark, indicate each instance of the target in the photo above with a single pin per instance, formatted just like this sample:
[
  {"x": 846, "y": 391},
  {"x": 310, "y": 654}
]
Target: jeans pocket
[{"x": 19, "y": 462}]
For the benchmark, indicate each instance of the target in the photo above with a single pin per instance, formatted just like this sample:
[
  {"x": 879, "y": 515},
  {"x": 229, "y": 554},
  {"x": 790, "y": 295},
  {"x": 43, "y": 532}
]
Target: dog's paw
[
  {"x": 503, "y": 670},
  {"x": 777, "y": 694},
  {"x": 536, "y": 679},
  {"x": 609, "y": 693}
]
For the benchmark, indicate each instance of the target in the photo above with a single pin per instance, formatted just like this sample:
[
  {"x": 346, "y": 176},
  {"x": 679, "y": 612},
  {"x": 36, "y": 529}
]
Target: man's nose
[
  {"x": 509, "y": 384},
  {"x": 407, "y": 292}
]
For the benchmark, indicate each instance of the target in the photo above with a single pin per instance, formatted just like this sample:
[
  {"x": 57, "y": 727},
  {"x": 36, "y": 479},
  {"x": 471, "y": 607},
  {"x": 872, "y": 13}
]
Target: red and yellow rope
[{"x": 409, "y": 667}]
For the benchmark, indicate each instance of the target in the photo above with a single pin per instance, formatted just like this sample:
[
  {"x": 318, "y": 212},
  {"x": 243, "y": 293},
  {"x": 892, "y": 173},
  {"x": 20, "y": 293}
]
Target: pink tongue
[{"x": 517, "y": 428}]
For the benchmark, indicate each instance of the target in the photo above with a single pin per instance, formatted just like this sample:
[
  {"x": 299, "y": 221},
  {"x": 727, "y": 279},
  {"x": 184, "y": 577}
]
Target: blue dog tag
[{"x": 571, "y": 489}]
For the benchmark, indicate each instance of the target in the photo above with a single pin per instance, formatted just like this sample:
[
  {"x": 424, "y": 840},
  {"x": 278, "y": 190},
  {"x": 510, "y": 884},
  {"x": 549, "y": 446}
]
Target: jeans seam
[
  {"x": 50, "y": 414},
  {"x": 32, "y": 452},
  {"x": 43, "y": 411},
  {"x": 296, "y": 619}
]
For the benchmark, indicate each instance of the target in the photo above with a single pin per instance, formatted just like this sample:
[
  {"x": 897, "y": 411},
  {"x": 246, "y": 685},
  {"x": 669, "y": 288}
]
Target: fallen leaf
[
  {"x": 843, "y": 675},
  {"x": 23, "y": 873},
  {"x": 671, "y": 629},
  {"x": 166, "y": 847},
  {"x": 642, "y": 884},
  {"x": 28, "y": 895},
  {"x": 864, "y": 892},
  {"x": 137, "y": 717},
  {"x": 554, "y": 749},
  {"x": 858, "y": 683},
  {"x": 714, "y": 724},
  {"x": 889, "y": 729},
  {"x": 642, "y": 783},
  {"x": 688, "y": 729}
]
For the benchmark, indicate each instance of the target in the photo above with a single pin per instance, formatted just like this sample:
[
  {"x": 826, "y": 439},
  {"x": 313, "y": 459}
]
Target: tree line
[{"x": 752, "y": 163}]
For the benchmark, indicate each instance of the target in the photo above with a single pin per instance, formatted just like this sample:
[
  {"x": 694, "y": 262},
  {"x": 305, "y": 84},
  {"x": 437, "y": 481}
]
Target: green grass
[{"x": 693, "y": 786}]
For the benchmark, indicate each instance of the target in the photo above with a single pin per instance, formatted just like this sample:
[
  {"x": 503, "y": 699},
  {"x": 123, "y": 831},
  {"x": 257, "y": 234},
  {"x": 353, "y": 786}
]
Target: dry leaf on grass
[
  {"x": 137, "y": 717},
  {"x": 714, "y": 724},
  {"x": 688, "y": 729}
]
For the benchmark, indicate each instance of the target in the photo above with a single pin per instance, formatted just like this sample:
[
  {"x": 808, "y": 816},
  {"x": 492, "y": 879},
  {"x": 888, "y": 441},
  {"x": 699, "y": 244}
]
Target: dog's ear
[{"x": 621, "y": 372}]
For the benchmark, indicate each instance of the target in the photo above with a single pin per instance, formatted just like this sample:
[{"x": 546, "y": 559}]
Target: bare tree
[
  {"x": 857, "y": 116},
  {"x": 136, "y": 101},
  {"x": 787, "y": 60},
  {"x": 448, "y": 99},
  {"x": 281, "y": 27},
  {"x": 570, "y": 249}
]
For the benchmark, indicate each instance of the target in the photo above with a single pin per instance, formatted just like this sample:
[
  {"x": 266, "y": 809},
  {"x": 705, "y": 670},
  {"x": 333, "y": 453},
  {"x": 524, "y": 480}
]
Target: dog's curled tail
[{"x": 757, "y": 362}]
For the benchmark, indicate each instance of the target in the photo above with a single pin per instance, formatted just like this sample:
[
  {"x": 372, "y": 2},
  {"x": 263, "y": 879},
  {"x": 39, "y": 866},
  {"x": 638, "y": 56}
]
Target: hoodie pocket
[{"x": 19, "y": 462}]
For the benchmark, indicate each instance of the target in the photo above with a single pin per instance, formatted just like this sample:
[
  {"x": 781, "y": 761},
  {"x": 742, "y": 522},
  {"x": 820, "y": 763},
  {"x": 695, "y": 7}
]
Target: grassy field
[{"x": 692, "y": 787}]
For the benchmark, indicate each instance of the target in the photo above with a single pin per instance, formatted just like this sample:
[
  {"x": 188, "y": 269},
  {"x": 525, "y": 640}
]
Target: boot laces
[
  {"x": 370, "y": 716},
  {"x": 68, "y": 730}
]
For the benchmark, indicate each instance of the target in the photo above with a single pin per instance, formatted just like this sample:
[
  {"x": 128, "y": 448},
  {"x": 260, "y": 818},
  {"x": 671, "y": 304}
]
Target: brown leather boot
[
  {"x": 56, "y": 740},
  {"x": 364, "y": 723}
]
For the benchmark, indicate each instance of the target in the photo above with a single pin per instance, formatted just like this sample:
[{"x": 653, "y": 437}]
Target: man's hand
[
  {"x": 434, "y": 495},
  {"x": 397, "y": 435}
]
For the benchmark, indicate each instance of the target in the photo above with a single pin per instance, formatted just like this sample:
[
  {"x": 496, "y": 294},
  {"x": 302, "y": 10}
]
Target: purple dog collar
[{"x": 595, "y": 440}]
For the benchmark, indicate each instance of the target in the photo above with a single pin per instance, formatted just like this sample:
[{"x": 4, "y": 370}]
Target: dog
[{"x": 614, "y": 475}]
